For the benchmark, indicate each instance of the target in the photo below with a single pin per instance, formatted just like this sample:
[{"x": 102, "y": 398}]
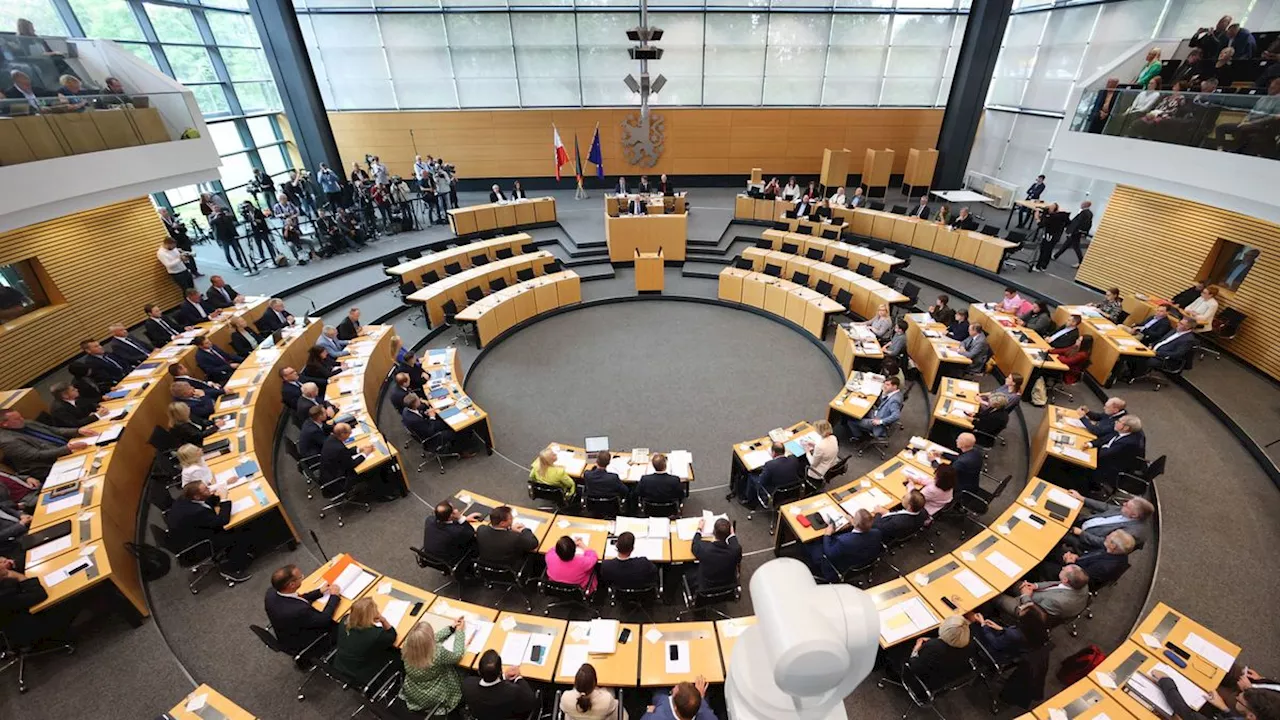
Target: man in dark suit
[
  {"x": 1092, "y": 528},
  {"x": 964, "y": 221},
  {"x": 968, "y": 464},
  {"x": 904, "y": 523},
  {"x": 625, "y": 572},
  {"x": 200, "y": 515},
  {"x": 497, "y": 694},
  {"x": 1171, "y": 351},
  {"x": 337, "y": 459},
  {"x": 783, "y": 470},
  {"x": 1076, "y": 232},
  {"x": 496, "y": 194},
  {"x": 1120, "y": 451},
  {"x": 23, "y": 88},
  {"x": 921, "y": 210},
  {"x": 31, "y": 448},
  {"x": 313, "y": 433},
  {"x": 1102, "y": 565},
  {"x": 201, "y": 403},
  {"x": 718, "y": 560},
  {"x": 274, "y": 318},
  {"x": 1153, "y": 329},
  {"x": 220, "y": 294},
  {"x": 291, "y": 388},
  {"x": 178, "y": 371},
  {"x": 637, "y": 206},
  {"x": 294, "y": 621},
  {"x": 104, "y": 368},
  {"x": 856, "y": 548},
  {"x": 660, "y": 486},
  {"x": 411, "y": 367},
  {"x": 126, "y": 347},
  {"x": 399, "y": 389},
  {"x": 1066, "y": 335},
  {"x": 311, "y": 398},
  {"x": 67, "y": 410},
  {"x": 193, "y": 310},
  {"x": 158, "y": 328},
  {"x": 600, "y": 483},
  {"x": 1102, "y": 424},
  {"x": 350, "y": 326},
  {"x": 447, "y": 535},
  {"x": 503, "y": 542},
  {"x": 216, "y": 364},
  {"x": 422, "y": 421}
]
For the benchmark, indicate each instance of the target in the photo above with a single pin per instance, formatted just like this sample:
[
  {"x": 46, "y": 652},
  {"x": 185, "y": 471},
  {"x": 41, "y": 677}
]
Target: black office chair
[
  {"x": 873, "y": 244},
  {"x": 764, "y": 244},
  {"x": 1137, "y": 482},
  {"x": 641, "y": 599},
  {"x": 844, "y": 297},
  {"x": 912, "y": 291},
  {"x": 699, "y": 602},
  {"x": 304, "y": 660},
  {"x": 976, "y": 502},
  {"x": 881, "y": 444},
  {"x": 774, "y": 270},
  {"x": 858, "y": 577},
  {"x": 743, "y": 263},
  {"x": 899, "y": 210},
  {"x": 1096, "y": 588},
  {"x": 771, "y": 501},
  {"x": 653, "y": 508},
  {"x": 831, "y": 233},
  {"x": 506, "y": 578},
  {"x": 565, "y": 595},
  {"x": 553, "y": 498},
  {"x": 413, "y": 255},
  {"x": 453, "y": 572},
  {"x": 824, "y": 288},
  {"x": 308, "y": 467},
  {"x": 497, "y": 284},
  {"x": 504, "y": 253},
  {"x": 1170, "y": 368},
  {"x": 893, "y": 280},
  {"x": 528, "y": 249},
  {"x": 875, "y": 205},
  {"x": 478, "y": 260},
  {"x": 390, "y": 262},
  {"x": 992, "y": 230},
  {"x": 840, "y": 261},
  {"x": 790, "y": 215},
  {"x": 524, "y": 275},
  {"x": 865, "y": 270},
  {"x": 804, "y": 230},
  {"x": 430, "y": 277},
  {"x": 474, "y": 294},
  {"x": 554, "y": 266},
  {"x": 988, "y": 426},
  {"x": 200, "y": 557},
  {"x": 342, "y": 492},
  {"x": 434, "y": 449},
  {"x": 790, "y": 248},
  {"x": 603, "y": 508},
  {"x": 800, "y": 278},
  {"x": 813, "y": 253},
  {"x": 814, "y": 486},
  {"x": 452, "y": 268},
  {"x": 780, "y": 225}
]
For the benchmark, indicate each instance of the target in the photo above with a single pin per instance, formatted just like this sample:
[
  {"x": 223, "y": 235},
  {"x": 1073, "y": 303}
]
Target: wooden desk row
[
  {"x": 506, "y": 308},
  {"x": 1111, "y": 342},
  {"x": 830, "y": 249},
  {"x": 856, "y": 345},
  {"x": 1060, "y": 450},
  {"x": 625, "y": 464},
  {"x": 655, "y": 203},
  {"x": 1016, "y": 349},
  {"x": 626, "y": 235},
  {"x": 502, "y": 215},
  {"x": 867, "y": 294},
  {"x": 783, "y": 298},
  {"x": 455, "y": 287},
  {"x": 934, "y": 354},
  {"x": 413, "y": 270},
  {"x": 967, "y": 246},
  {"x": 746, "y": 207},
  {"x": 440, "y": 366},
  {"x": 355, "y": 389},
  {"x": 28, "y": 138}
]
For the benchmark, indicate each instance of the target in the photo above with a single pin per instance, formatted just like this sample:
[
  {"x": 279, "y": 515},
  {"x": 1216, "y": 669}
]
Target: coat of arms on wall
[{"x": 642, "y": 138}]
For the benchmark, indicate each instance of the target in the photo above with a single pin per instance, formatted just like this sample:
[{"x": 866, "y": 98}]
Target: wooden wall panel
[
  {"x": 103, "y": 261},
  {"x": 699, "y": 141},
  {"x": 1156, "y": 244}
]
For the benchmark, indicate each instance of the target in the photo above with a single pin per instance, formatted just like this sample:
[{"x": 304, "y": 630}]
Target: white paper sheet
[
  {"x": 353, "y": 584},
  {"x": 679, "y": 666},
  {"x": 572, "y": 657},
  {"x": 659, "y": 528},
  {"x": 972, "y": 583},
  {"x": 242, "y": 504},
  {"x": 49, "y": 549},
  {"x": 65, "y": 503},
  {"x": 1075, "y": 453},
  {"x": 636, "y": 526},
  {"x": 1026, "y": 516},
  {"x": 1004, "y": 564},
  {"x": 756, "y": 458},
  {"x": 197, "y": 702},
  {"x": 904, "y": 619},
  {"x": 1208, "y": 651},
  {"x": 686, "y": 527},
  {"x": 603, "y": 637},
  {"x": 514, "y": 647},
  {"x": 395, "y": 611},
  {"x": 1063, "y": 498},
  {"x": 1190, "y": 692},
  {"x": 58, "y": 576},
  {"x": 478, "y": 632},
  {"x": 679, "y": 463},
  {"x": 620, "y": 465}
]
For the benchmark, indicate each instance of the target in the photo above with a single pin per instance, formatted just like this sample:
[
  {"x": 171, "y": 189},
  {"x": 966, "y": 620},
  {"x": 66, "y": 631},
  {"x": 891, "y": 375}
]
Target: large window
[{"x": 570, "y": 53}]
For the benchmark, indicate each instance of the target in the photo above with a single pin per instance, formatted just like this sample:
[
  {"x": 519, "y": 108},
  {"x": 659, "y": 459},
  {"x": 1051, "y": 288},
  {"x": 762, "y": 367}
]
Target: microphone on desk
[{"x": 313, "y": 302}]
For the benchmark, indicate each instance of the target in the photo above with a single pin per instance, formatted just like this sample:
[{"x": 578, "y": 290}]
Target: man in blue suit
[
  {"x": 1155, "y": 328},
  {"x": 201, "y": 404},
  {"x": 858, "y": 547},
  {"x": 216, "y": 364},
  {"x": 313, "y": 433},
  {"x": 1171, "y": 351},
  {"x": 882, "y": 415},
  {"x": 103, "y": 367},
  {"x": 783, "y": 470},
  {"x": 682, "y": 702},
  {"x": 968, "y": 464}
]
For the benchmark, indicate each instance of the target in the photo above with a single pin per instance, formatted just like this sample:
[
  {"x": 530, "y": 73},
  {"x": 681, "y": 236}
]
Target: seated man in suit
[
  {"x": 18, "y": 492},
  {"x": 200, "y": 515},
  {"x": 1066, "y": 335},
  {"x": 338, "y": 460},
  {"x": 637, "y": 206},
  {"x": 504, "y": 542},
  {"x": 1171, "y": 351},
  {"x": 311, "y": 398},
  {"x": 856, "y": 547},
  {"x": 621, "y": 187},
  {"x": 921, "y": 210},
  {"x": 19, "y": 593},
  {"x": 178, "y": 371},
  {"x": 313, "y": 433},
  {"x": 882, "y": 415},
  {"x": 350, "y": 326},
  {"x": 221, "y": 295},
  {"x": 104, "y": 368},
  {"x": 67, "y": 409},
  {"x": 625, "y": 572},
  {"x": 274, "y": 318},
  {"x": 600, "y": 483},
  {"x": 968, "y": 464},
  {"x": 14, "y": 525},
  {"x": 1090, "y": 533},
  {"x": 447, "y": 535},
  {"x": 964, "y": 221},
  {"x": 216, "y": 363},
  {"x": 496, "y": 194},
  {"x": 1060, "y": 599},
  {"x": 291, "y": 388},
  {"x": 1103, "y": 423},
  {"x": 334, "y": 345},
  {"x": 423, "y": 422},
  {"x": 399, "y": 389},
  {"x": 158, "y": 328},
  {"x": 782, "y": 470},
  {"x": 975, "y": 348},
  {"x": 901, "y": 524},
  {"x": 1122, "y": 451},
  {"x": 294, "y": 621},
  {"x": 1153, "y": 329},
  {"x": 685, "y": 701},
  {"x": 497, "y": 694},
  {"x": 126, "y": 347},
  {"x": 192, "y": 310},
  {"x": 201, "y": 403},
  {"x": 1102, "y": 565},
  {"x": 31, "y": 448},
  {"x": 665, "y": 186},
  {"x": 660, "y": 486},
  {"x": 411, "y": 367},
  {"x": 719, "y": 560}
]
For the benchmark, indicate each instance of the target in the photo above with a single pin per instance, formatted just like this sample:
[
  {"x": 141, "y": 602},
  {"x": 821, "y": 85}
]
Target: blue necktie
[{"x": 43, "y": 436}]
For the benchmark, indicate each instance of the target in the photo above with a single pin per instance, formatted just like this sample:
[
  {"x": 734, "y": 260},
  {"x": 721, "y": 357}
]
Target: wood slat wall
[
  {"x": 1156, "y": 244},
  {"x": 699, "y": 141},
  {"x": 103, "y": 261}
]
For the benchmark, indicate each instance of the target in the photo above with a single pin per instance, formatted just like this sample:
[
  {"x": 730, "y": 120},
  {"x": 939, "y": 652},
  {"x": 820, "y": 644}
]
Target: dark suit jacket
[
  {"x": 130, "y": 354},
  {"x": 157, "y": 333},
  {"x": 14, "y": 93},
  {"x": 311, "y": 439},
  {"x": 899, "y": 524},
  {"x": 779, "y": 472},
  {"x": 504, "y": 548},
  {"x": 968, "y": 467},
  {"x": 106, "y": 368},
  {"x": 660, "y": 487},
  {"x": 496, "y": 196},
  {"x": 850, "y": 550},
  {"x": 602, "y": 483},
  {"x": 504, "y": 701},
  {"x": 201, "y": 407},
  {"x": 966, "y": 224},
  {"x": 1101, "y": 424},
  {"x": 1101, "y": 566},
  {"x": 218, "y": 298},
  {"x": 938, "y": 663},
  {"x": 416, "y": 378},
  {"x": 920, "y": 211},
  {"x": 188, "y": 314},
  {"x": 188, "y": 433},
  {"x": 338, "y": 460},
  {"x": 71, "y": 415},
  {"x": 397, "y": 394},
  {"x": 302, "y": 410},
  {"x": 295, "y": 623},
  {"x": 448, "y": 541},
  {"x": 347, "y": 329},
  {"x": 290, "y": 392},
  {"x": 1177, "y": 348},
  {"x": 216, "y": 363},
  {"x": 629, "y": 574},
  {"x": 1155, "y": 332},
  {"x": 1064, "y": 339},
  {"x": 240, "y": 345},
  {"x": 271, "y": 321},
  {"x": 1118, "y": 454},
  {"x": 190, "y": 521},
  {"x": 717, "y": 561},
  {"x": 421, "y": 425}
]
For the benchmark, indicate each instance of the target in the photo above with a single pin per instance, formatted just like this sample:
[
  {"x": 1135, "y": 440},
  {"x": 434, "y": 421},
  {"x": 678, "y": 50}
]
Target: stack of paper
[
  {"x": 679, "y": 463},
  {"x": 868, "y": 500},
  {"x": 659, "y": 528},
  {"x": 514, "y": 648},
  {"x": 572, "y": 464},
  {"x": 905, "y": 619},
  {"x": 636, "y": 526},
  {"x": 679, "y": 664},
  {"x": 686, "y": 527},
  {"x": 1078, "y": 454},
  {"x": 1004, "y": 564},
  {"x": 246, "y": 503},
  {"x": 635, "y": 472},
  {"x": 756, "y": 459},
  {"x": 394, "y": 611},
  {"x": 1207, "y": 650},
  {"x": 651, "y": 548},
  {"x": 49, "y": 549},
  {"x": 65, "y": 503},
  {"x": 352, "y": 581},
  {"x": 620, "y": 466},
  {"x": 1063, "y": 498},
  {"x": 603, "y": 637},
  {"x": 972, "y": 583}
]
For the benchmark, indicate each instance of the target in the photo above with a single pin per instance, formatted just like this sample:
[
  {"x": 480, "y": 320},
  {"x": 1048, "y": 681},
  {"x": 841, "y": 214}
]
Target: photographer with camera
[
  {"x": 331, "y": 186},
  {"x": 299, "y": 191},
  {"x": 443, "y": 188},
  {"x": 225, "y": 230},
  {"x": 452, "y": 172},
  {"x": 178, "y": 233},
  {"x": 302, "y": 249},
  {"x": 349, "y": 226},
  {"x": 262, "y": 186},
  {"x": 259, "y": 232},
  {"x": 381, "y": 199},
  {"x": 401, "y": 197}
]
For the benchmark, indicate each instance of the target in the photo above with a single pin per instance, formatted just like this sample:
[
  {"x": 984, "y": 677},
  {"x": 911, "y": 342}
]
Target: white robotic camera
[{"x": 811, "y": 646}]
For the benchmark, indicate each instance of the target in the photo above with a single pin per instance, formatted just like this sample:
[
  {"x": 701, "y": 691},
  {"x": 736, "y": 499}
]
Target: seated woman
[
  {"x": 243, "y": 340},
  {"x": 937, "y": 492},
  {"x": 1075, "y": 356},
  {"x": 823, "y": 454},
  {"x": 1157, "y": 122},
  {"x": 366, "y": 643},
  {"x": 881, "y": 324},
  {"x": 320, "y": 364},
  {"x": 587, "y": 700},
  {"x": 568, "y": 565},
  {"x": 186, "y": 430},
  {"x": 194, "y": 469},
  {"x": 1008, "y": 644},
  {"x": 546, "y": 471},
  {"x": 1010, "y": 391},
  {"x": 772, "y": 188},
  {"x": 430, "y": 676},
  {"x": 958, "y": 330},
  {"x": 1205, "y": 307},
  {"x": 1037, "y": 318},
  {"x": 992, "y": 416},
  {"x": 944, "y": 659},
  {"x": 944, "y": 215},
  {"x": 1111, "y": 306}
]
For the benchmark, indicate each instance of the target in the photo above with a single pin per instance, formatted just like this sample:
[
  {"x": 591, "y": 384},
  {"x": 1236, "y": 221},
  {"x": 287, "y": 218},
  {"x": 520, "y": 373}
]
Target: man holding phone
[{"x": 683, "y": 702}]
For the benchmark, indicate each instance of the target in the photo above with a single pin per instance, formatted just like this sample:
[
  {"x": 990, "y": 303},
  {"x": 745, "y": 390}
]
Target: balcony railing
[{"x": 1240, "y": 121}]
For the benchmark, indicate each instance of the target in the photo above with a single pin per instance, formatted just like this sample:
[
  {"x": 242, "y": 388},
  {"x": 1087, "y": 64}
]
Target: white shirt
[
  {"x": 1059, "y": 334},
  {"x": 1203, "y": 309},
  {"x": 171, "y": 260},
  {"x": 197, "y": 473},
  {"x": 838, "y": 199},
  {"x": 1174, "y": 334},
  {"x": 790, "y": 191}
]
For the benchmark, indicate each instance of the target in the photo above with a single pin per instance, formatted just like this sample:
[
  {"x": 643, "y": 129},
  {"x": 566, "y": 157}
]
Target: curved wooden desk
[
  {"x": 355, "y": 389},
  {"x": 1111, "y": 343},
  {"x": 502, "y": 215},
  {"x": 826, "y": 250},
  {"x": 1016, "y": 349},
  {"x": 455, "y": 287},
  {"x": 512, "y": 305},
  {"x": 783, "y": 298},
  {"x": 935, "y": 354},
  {"x": 867, "y": 294},
  {"x": 413, "y": 270}
]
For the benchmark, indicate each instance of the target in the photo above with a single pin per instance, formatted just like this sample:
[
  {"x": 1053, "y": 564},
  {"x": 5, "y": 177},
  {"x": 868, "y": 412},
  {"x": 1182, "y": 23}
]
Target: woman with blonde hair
[
  {"x": 184, "y": 430},
  {"x": 881, "y": 324},
  {"x": 545, "y": 471},
  {"x": 366, "y": 643},
  {"x": 430, "y": 675},
  {"x": 191, "y": 458},
  {"x": 822, "y": 454},
  {"x": 1152, "y": 68},
  {"x": 587, "y": 700},
  {"x": 243, "y": 341}
]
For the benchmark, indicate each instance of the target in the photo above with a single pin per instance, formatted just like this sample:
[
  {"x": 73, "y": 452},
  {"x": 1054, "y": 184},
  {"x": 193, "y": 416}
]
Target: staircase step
[
  {"x": 698, "y": 269},
  {"x": 711, "y": 258},
  {"x": 597, "y": 271}
]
